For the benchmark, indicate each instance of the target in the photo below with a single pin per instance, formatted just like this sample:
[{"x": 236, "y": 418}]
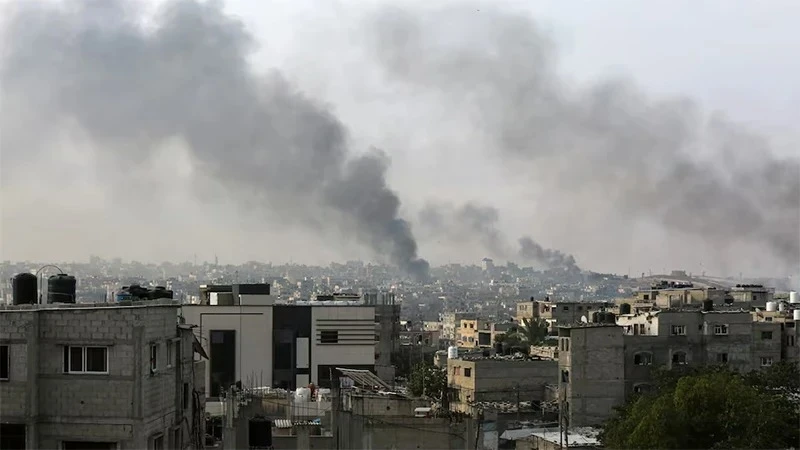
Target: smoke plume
[
  {"x": 131, "y": 87},
  {"x": 662, "y": 162},
  {"x": 472, "y": 221}
]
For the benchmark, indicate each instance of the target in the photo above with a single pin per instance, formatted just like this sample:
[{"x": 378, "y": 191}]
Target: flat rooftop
[{"x": 163, "y": 303}]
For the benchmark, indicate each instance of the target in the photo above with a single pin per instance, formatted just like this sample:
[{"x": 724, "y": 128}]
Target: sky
[{"x": 73, "y": 197}]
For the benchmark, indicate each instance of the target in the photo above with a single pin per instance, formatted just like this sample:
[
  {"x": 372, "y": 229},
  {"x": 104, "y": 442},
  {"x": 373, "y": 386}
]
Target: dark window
[
  {"x": 223, "y": 360},
  {"x": 153, "y": 357},
  {"x": 566, "y": 308},
  {"x": 329, "y": 337},
  {"x": 158, "y": 442},
  {"x": 679, "y": 358},
  {"x": 766, "y": 335},
  {"x": 643, "y": 359},
  {"x": 5, "y": 362},
  {"x": 722, "y": 358},
  {"x": 85, "y": 359},
  {"x": 76, "y": 359},
  {"x": 283, "y": 356},
  {"x": 96, "y": 359},
  {"x": 176, "y": 439},
  {"x": 186, "y": 395},
  {"x": 565, "y": 376},
  {"x": 467, "y": 372},
  {"x": 87, "y": 445},
  {"x": 12, "y": 436}
]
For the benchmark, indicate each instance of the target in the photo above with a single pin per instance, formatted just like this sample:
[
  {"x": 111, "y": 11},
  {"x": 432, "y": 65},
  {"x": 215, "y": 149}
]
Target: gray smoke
[
  {"x": 132, "y": 87},
  {"x": 661, "y": 161},
  {"x": 471, "y": 221},
  {"x": 463, "y": 223},
  {"x": 530, "y": 250}
]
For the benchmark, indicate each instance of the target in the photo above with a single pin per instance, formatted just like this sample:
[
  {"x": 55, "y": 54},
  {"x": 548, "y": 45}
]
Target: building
[
  {"x": 256, "y": 342},
  {"x": 111, "y": 375},
  {"x": 387, "y": 332},
  {"x": 557, "y": 313},
  {"x": 477, "y": 378},
  {"x": 602, "y": 364},
  {"x": 451, "y": 325}
]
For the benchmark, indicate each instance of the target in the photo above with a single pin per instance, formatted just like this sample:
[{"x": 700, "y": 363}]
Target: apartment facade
[
  {"x": 256, "y": 342},
  {"x": 115, "y": 376}
]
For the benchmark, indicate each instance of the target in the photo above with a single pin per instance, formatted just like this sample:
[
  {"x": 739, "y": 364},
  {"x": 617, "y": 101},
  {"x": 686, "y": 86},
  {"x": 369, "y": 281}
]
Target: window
[
  {"x": 790, "y": 341},
  {"x": 766, "y": 335},
  {"x": 158, "y": 442},
  {"x": 565, "y": 308},
  {"x": 5, "y": 363},
  {"x": 641, "y": 388},
  {"x": 176, "y": 438},
  {"x": 643, "y": 359},
  {"x": 766, "y": 361},
  {"x": 329, "y": 336},
  {"x": 565, "y": 376},
  {"x": 467, "y": 371},
  {"x": 170, "y": 353},
  {"x": 721, "y": 330},
  {"x": 153, "y": 358},
  {"x": 678, "y": 330},
  {"x": 722, "y": 358},
  {"x": 86, "y": 360},
  {"x": 186, "y": 395},
  {"x": 679, "y": 358}
]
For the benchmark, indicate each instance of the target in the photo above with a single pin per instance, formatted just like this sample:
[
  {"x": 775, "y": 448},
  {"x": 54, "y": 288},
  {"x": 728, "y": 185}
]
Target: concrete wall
[
  {"x": 356, "y": 331},
  {"x": 127, "y": 405},
  {"x": 592, "y": 372},
  {"x": 253, "y": 326},
  {"x": 500, "y": 380},
  {"x": 359, "y": 432}
]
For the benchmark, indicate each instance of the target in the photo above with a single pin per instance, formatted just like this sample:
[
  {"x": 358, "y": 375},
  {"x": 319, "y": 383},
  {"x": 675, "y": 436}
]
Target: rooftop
[
  {"x": 517, "y": 357},
  {"x": 90, "y": 306}
]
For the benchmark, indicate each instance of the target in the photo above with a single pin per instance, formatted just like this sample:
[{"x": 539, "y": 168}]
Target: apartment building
[
  {"x": 557, "y": 313},
  {"x": 256, "y": 342},
  {"x": 601, "y": 364},
  {"x": 670, "y": 294},
  {"x": 451, "y": 325},
  {"x": 478, "y": 378},
  {"x": 111, "y": 375}
]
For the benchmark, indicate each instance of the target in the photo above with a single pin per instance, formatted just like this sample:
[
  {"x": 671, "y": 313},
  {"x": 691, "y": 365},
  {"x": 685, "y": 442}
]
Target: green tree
[
  {"x": 706, "y": 409},
  {"x": 427, "y": 380}
]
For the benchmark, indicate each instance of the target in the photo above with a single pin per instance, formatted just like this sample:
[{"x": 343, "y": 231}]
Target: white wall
[
  {"x": 253, "y": 325},
  {"x": 349, "y": 321}
]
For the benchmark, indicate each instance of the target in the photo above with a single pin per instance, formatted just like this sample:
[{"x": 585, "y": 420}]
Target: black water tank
[
  {"x": 259, "y": 433},
  {"x": 610, "y": 317},
  {"x": 708, "y": 305},
  {"x": 61, "y": 288},
  {"x": 625, "y": 308},
  {"x": 24, "y": 289}
]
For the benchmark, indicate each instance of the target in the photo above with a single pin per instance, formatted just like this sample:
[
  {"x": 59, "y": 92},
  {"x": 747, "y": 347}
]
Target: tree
[
  {"x": 427, "y": 380},
  {"x": 705, "y": 409}
]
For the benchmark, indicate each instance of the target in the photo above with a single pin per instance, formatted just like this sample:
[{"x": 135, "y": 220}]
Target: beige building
[
  {"x": 494, "y": 379},
  {"x": 451, "y": 325},
  {"x": 557, "y": 313}
]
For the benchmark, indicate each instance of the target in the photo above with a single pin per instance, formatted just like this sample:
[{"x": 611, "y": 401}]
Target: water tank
[
  {"x": 625, "y": 308},
  {"x": 793, "y": 298},
  {"x": 24, "y": 289},
  {"x": 61, "y": 289},
  {"x": 610, "y": 317},
  {"x": 122, "y": 296},
  {"x": 796, "y": 315},
  {"x": 708, "y": 305},
  {"x": 452, "y": 352},
  {"x": 302, "y": 394},
  {"x": 772, "y": 306},
  {"x": 782, "y": 306}
]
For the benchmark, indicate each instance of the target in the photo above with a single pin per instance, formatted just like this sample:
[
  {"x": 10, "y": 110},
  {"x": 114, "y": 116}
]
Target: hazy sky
[{"x": 69, "y": 201}]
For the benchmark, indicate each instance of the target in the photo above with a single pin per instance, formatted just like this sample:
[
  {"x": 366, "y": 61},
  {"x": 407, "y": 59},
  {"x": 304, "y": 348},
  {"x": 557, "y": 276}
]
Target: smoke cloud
[
  {"x": 659, "y": 161},
  {"x": 132, "y": 87},
  {"x": 472, "y": 221}
]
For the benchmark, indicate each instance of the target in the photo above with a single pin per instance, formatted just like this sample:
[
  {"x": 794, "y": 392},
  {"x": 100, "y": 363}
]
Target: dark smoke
[
  {"x": 660, "y": 161},
  {"x": 471, "y": 221},
  {"x": 529, "y": 250},
  {"x": 131, "y": 88}
]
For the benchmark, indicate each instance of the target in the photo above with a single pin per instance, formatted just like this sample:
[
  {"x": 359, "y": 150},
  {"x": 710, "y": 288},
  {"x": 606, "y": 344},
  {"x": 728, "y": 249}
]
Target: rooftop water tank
[
  {"x": 61, "y": 288},
  {"x": 452, "y": 352},
  {"x": 782, "y": 306},
  {"x": 772, "y": 306},
  {"x": 24, "y": 289},
  {"x": 796, "y": 315},
  {"x": 793, "y": 298},
  {"x": 302, "y": 394}
]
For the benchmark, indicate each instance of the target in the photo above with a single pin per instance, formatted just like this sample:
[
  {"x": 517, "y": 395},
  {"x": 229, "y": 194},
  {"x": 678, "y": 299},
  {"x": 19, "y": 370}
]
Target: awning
[
  {"x": 364, "y": 378},
  {"x": 198, "y": 348}
]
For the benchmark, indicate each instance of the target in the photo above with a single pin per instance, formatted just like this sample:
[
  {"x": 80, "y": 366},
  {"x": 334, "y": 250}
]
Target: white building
[{"x": 254, "y": 341}]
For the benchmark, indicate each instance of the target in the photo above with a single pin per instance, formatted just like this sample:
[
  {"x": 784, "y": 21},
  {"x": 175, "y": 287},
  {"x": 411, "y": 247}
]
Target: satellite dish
[{"x": 584, "y": 319}]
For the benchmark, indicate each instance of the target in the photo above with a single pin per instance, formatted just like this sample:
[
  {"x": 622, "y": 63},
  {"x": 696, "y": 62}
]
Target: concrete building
[
  {"x": 451, "y": 325},
  {"x": 112, "y": 375},
  {"x": 256, "y": 342},
  {"x": 557, "y": 313},
  {"x": 475, "y": 378}
]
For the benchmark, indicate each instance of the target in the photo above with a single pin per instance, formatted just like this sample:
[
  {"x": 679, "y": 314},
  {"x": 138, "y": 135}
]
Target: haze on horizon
[{"x": 599, "y": 131}]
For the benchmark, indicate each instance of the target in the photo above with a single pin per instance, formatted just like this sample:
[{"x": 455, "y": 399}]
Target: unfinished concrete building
[{"x": 115, "y": 376}]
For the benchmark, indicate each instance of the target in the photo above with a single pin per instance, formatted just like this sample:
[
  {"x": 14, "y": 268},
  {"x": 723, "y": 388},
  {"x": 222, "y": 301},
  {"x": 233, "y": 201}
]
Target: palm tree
[{"x": 533, "y": 331}]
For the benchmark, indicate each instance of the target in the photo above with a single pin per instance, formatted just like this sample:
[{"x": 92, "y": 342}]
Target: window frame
[
  {"x": 677, "y": 330},
  {"x": 766, "y": 335},
  {"x": 766, "y": 361},
  {"x": 721, "y": 329},
  {"x": 684, "y": 361},
  {"x": 153, "y": 357},
  {"x": 722, "y": 358},
  {"x": 645, "y": 359},
  {"x": 170, "y": 353},
  {"x": 67, "y": 367},
  {"x": 325, "y": 337}
]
